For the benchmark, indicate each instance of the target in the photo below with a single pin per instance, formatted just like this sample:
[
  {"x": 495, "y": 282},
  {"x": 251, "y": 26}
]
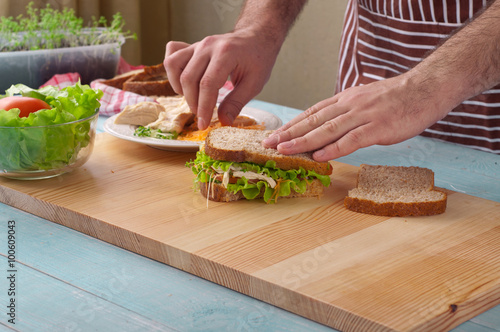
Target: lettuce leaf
[
  {"x": 42, "y": 148},
  {"x": 287, "y": 181}
]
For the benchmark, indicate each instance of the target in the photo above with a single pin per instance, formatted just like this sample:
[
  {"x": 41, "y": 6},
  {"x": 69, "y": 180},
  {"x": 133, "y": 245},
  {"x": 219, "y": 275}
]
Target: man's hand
[
  {"x": 246, "y": 56},
  {"x": 199, "y": 70},
  {"x": 393, "y": 110},
  {"x": 384, "y": 112}
]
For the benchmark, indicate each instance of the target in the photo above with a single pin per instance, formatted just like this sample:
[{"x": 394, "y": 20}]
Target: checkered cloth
[{"x": 114, "y": 100}]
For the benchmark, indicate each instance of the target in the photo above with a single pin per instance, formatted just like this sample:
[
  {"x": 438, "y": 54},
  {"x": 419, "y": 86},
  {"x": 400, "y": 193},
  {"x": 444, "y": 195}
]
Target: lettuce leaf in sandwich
[{"x": 274, "y": 182}]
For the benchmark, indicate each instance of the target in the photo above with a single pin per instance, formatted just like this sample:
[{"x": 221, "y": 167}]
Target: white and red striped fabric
[{"x": 384, "y": 38}]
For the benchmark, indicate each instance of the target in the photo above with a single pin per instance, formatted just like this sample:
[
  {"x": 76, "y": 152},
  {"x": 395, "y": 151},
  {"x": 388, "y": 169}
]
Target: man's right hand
[{"x": 199, "y": 70}]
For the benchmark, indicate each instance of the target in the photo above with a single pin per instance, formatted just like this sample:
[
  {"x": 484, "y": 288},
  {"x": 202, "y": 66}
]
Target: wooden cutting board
[{"x": 310, "y": 256}]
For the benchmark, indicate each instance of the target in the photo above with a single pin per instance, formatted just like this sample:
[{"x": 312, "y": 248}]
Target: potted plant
[{"x": 45, "y": 42}]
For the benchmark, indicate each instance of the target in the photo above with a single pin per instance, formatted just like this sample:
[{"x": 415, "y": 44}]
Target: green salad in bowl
[{"x": 46, "y": 132}]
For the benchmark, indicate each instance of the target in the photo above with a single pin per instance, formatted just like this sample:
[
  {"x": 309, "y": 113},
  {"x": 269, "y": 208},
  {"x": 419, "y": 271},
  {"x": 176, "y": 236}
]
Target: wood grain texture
[
  {"x": 309, "y": 256},
  {"x": 100, "y": 287}
]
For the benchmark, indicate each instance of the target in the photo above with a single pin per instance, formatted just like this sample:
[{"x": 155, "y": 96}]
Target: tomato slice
[{"x": 27, "y": 105}]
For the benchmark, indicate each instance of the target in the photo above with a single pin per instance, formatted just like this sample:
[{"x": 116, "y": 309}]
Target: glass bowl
[{"x": 31, "y": 153}]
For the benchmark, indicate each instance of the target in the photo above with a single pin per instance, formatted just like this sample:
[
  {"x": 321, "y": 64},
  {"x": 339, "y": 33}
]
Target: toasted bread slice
[
  {"x": 396, "y": 192},
  {"x": 216, "y": 192},
  {"x": 244, "y": 145},
  {"x": 152, "y": 81},
  {"x": 117, "y": 81},
  {"x": 149, "y": 81}
]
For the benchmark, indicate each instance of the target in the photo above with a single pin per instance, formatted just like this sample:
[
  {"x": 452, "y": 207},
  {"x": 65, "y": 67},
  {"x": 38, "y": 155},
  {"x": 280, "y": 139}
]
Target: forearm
[
  {"x": 270, "y": 18},
  {"x": 466, "y": 64}
]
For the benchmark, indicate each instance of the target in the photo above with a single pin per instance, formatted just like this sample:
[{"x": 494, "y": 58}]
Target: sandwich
[
  {"x": 232, "y": 165},
  {"x": 395, "y": 191}
]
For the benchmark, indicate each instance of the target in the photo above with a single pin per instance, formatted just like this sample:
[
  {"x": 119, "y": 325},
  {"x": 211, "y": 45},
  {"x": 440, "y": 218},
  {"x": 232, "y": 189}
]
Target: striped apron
[{"x": 384, "y": 38}]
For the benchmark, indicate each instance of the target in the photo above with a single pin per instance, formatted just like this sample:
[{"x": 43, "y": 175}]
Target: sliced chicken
[
  {"x": 172, "y": 101},
  {"x": 174, "y": 118},
  {"x": 140, "y": 114}
]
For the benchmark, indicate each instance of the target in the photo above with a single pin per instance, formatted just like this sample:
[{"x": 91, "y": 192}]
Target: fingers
[
  {"x": 177, "y": 55},
  {"x": 347, "y": 144},
  {"x": 193, "y": 73},
  {"x": 190, "y": 79},
  {"x": 312, "y": 110},
  {"x": 355, "y": 139},
  {"x": 375, "y": 113},
  {"x": 313, "y": 118},
  {"x": 231, "y": 106},
  {"x": 212, "y": 80},
  {"x": 329, "y": 128},
  {"x": 198, "y": 71},
  {"x": 316, "y": 137},
  {"x": 174, "y": 46},
  {"x": 327, "y": 146}
]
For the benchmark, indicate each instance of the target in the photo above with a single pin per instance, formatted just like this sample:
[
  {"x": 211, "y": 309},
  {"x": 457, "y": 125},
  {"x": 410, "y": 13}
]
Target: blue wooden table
[{"x": 68, "y": 281}]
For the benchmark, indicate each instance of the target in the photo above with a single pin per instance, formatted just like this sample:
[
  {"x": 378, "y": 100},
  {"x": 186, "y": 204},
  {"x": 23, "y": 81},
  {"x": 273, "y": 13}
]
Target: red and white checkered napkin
[{"x": 114, "y": 100}]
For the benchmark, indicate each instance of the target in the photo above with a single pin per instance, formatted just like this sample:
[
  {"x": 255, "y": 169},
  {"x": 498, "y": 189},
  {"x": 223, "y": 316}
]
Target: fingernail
[
  {"x": 319, "y": 154},
  {"x": 201, "y": 123},
  {"x": 287, "y": 145},
  {"x": 271, "y": 140}
]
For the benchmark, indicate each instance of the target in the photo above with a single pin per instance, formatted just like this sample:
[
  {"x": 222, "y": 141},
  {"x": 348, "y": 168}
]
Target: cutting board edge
[
  {"x": 468, "y": 309},
  {"x": 328, "y": 313},
  {"x": 73, "y": 220},
  {"x": 314, "y": 309}
]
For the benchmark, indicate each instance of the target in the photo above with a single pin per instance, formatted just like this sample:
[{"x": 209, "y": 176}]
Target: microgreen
[
  {"x": 49, "y": 28},
  {"x": 142, "y": 131}
]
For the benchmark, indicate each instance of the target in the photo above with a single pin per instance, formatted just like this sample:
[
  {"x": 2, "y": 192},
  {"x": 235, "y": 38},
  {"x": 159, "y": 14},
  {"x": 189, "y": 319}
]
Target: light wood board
[{"x": 310, "y": 256}]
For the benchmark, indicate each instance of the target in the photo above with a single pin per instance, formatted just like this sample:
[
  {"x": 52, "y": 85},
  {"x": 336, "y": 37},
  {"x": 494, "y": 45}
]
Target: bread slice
[
  {"x": 216, "y": 192},
  {"x": 244, "y": 145},
  {"x": 117, "y": 81},
  {"x": 149, "y": 81},
  {"x": 152, "y": 81},
  {"x": 396, "y": 192}
]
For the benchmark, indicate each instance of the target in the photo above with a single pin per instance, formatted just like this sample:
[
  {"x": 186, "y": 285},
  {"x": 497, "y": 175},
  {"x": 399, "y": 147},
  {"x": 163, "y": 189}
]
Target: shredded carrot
[
  {"x": 274, "y": 196},
  {"x": 192, "y": 133}
]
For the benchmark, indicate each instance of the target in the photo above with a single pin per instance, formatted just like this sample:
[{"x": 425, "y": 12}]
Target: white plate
[{"x": 126, "y": 132}]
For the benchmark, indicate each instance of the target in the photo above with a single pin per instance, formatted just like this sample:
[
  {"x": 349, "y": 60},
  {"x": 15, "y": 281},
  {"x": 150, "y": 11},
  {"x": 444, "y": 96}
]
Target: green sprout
[
  {"x": 142, "y": 131},
  {"x": 49, "y": 28}
]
